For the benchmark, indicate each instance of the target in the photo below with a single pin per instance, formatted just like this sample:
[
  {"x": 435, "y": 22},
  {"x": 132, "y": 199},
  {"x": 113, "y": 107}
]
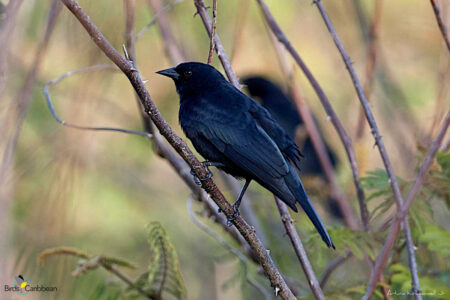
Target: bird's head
[
  {"x": 260, "y": 87},
  {"x": 193, "y": 77}
]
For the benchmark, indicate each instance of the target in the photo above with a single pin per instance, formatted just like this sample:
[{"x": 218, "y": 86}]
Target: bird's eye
[{"x": 187, "y": 73}]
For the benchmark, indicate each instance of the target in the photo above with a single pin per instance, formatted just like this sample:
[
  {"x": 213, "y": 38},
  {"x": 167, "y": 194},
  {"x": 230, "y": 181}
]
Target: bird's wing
[
  {"x": 246, "y": 144},
  {"x": 284, "y": 142}
]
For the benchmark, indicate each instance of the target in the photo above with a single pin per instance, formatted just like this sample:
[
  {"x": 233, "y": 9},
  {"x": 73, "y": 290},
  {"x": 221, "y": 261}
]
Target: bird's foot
[
  {"x": 198, "y": 181},
  {"x": 235, "y": 215}
]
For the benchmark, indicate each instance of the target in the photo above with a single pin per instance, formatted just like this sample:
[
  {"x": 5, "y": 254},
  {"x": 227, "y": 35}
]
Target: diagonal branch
[
  {"x": 299, "y": 249},
  {"x": 402, "y": 213},
  {"x": 201, "y": 10},
  {"x": 212, "y": 38},
  {"x": 440, "y": 21},
  {"x": 380, "y": 144},
  {"x": 181, "y": 147}
]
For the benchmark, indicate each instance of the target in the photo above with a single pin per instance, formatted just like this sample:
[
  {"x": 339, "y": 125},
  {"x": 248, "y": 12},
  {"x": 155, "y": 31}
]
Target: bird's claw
[
  {"x": 235, "y": 215},
  {"x": 198, "y": 181}
]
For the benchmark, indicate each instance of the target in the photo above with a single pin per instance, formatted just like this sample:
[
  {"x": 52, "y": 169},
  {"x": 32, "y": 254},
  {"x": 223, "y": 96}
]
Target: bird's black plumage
[
  {"x": 284, "y": 111},
  {"x": 227, "y": 126}
]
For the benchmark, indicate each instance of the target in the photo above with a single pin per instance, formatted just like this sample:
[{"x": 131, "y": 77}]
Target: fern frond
[{"x": 164, "y": 271}]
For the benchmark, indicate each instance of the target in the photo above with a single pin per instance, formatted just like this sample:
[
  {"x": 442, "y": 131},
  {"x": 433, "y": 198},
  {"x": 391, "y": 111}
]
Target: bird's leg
[
  {"x": 206, "y": 164},
  {"x": 238, "y": 202}
]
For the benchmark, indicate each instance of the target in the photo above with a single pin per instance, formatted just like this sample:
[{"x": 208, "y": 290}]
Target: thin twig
[
  {"x": 99, "y": 261},
  {"x": 212, "y": 36},
  {"x": 65, "y": 123},
  {"x": 201, "y": 10},
  {"x": 379, "y": 142},
  {"x": 130, "y": 50},
  {"x": 227, "y": 246},
  {"x": 131, "y": 283},
  {"x": 332, "y": 266},
  {"x": 441, "y": 24},
  {"x": 403, "y": 212},
  {"x": 299, "y": 250},
  {"x": 181, "y": 147},
  {"x": 331, "y": 115}
]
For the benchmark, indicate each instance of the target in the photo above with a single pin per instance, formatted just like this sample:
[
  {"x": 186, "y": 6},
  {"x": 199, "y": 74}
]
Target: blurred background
[{"x": 97, "y": 191}]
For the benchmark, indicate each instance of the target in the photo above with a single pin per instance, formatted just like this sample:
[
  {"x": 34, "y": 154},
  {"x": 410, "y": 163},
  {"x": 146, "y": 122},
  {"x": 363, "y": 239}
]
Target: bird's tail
[{"x": 297, "y": 189}]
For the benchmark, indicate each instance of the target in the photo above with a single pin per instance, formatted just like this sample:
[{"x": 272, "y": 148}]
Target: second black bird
[{"x": 239, "y": 136}]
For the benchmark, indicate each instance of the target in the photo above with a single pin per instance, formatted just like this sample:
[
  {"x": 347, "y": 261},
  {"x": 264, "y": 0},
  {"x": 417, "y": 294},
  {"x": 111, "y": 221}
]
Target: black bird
[
  {"x": 239, "y": 136},
  {"x": 284, "y": 111}
]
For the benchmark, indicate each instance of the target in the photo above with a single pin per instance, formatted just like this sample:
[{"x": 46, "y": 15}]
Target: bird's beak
[{"x": 172, "y": 73}]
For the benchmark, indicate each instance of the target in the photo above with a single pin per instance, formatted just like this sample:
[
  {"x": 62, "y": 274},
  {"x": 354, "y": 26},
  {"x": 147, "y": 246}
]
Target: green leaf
[{"x": 376, "y": 180}]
